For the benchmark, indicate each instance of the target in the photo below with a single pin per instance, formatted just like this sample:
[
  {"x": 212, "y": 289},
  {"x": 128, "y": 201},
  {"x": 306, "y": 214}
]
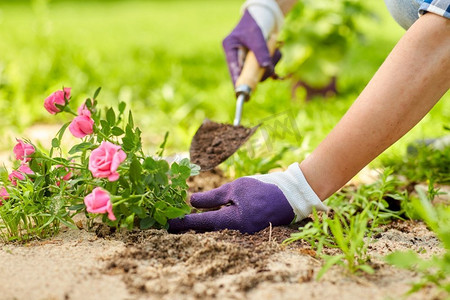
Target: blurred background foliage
[{"x": 164, "y": 59}]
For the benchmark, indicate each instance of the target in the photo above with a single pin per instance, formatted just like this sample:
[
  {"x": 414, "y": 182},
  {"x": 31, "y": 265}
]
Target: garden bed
[
  {"x": 224, "y": 265},
  {"x": 152, "y": 264}
]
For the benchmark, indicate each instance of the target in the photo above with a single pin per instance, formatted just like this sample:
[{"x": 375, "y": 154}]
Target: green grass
[{"x": 164, "y": 58}]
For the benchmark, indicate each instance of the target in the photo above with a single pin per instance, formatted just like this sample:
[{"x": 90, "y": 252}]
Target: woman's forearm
[
  {"x": 412, "y": 79},
  {"x": 286, "y": 5}
]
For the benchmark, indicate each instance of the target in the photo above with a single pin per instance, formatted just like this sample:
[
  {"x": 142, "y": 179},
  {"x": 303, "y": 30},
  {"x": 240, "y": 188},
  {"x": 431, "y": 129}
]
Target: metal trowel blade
[{"x": 214, "y": 142}]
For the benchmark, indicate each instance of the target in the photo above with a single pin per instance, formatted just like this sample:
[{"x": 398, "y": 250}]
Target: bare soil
[{"x": 153, "y": 264}]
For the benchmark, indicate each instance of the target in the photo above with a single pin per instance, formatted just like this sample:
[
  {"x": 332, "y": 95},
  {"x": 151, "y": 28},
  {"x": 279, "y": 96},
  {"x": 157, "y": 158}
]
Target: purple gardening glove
[
  {"x": 250, "y": 204},
  {"x": 251, "y": 35}
]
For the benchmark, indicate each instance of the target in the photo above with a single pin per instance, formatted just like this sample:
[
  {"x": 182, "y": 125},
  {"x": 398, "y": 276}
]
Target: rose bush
[{"x": 106, "y": 174}]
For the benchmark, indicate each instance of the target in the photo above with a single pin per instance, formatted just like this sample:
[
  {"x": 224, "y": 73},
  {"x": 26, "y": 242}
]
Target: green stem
[
  {"x": 61, "y": 163},
  {"x": 104, "y": 136}
]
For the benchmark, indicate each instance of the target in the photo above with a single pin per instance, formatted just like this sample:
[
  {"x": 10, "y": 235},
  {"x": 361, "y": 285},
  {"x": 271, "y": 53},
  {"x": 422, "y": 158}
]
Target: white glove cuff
[
  {"x": 296, "y": 189},
  {"x": 266, "y": 13}
]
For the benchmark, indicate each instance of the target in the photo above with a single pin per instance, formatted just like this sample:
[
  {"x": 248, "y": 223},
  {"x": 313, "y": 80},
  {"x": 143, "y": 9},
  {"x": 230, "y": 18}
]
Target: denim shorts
[{"x": 406, "y": 12}]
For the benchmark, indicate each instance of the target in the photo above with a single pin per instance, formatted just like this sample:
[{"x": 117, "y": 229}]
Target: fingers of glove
[
  {"x": 233, "y": 52},
  {"x": 206, "y": 221},
  {"x": 275, "y": 59},
  {"x": 210, "y": 199}
]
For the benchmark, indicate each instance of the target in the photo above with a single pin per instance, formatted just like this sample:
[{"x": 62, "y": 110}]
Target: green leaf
[
  {"x": 67, "y": 223},
  {"x": 62, "y": 130},
  {"x": 146, "y": 223},
  {"x": 76, "y": 207},
  {"x": 329, "y": 262},
  {"x": 124, "y": 183},
  {"x": 139, "y": 211},
  {"x": 366, "y": 268},
  {"x": 88, "y": 103},
  {"x": 173, "y": 212},
  {"x": 160, "y": 218},
  {"x": 116, "y": 131},
  {"x": 127, "y": 144},
  {"x": 97, "y": 91},
  {"x": 163, "y": 145},
  {"x": 35, "y": 166},
  {"x": 150, "y": 164},
  {"x": 159, "y": 214},
  {"x": 130, "y": 120},
  {"x": 81, "y": 147},
  {"x": 135, "y": 171},
  {"x": 122, "y": 106},
  {"x": 106, "y": 128},
  {"x": 38, "y": 181},
  {"x": 111, "y": 117},
  {"x": 55, "y": 143},
  {"x": 129, "y": 221},
  {"x": 405, "y": 260}
]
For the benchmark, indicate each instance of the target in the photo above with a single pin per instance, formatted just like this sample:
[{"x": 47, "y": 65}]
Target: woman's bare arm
[{"x": 408, "y": 84}]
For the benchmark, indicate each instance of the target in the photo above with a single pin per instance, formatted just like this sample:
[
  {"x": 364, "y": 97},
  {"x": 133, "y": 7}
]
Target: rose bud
[
  {"x": 3, "y": 195},
  {"x": 20, "y": 173},
  {"x": 58, "y": 97},
  {"x": 81, "y": 126},
  {"x": 83, "y": 110},
  {"x": 23, "y": 150},
  {"x": 15, "y": 175}
]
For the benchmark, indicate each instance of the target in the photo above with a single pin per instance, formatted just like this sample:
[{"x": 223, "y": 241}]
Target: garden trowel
[{"x": 214, "y": 142}]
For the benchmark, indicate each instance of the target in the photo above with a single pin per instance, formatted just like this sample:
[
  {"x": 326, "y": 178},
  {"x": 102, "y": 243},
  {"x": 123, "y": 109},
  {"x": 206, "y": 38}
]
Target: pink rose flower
[
  {"x": 20, "y": 173},
  {"x": 83, "y": 110},
  {"x": 15, "y": 175},
  {"x": 3, "y": 195},
  {"x": 58, "y": 97},
  {"x": 24, "y": 168},
  {"x": 81, "y": 126},
  {"x": 99, "y": 202},
  {"x": 23, "y": 150},
  {"x": 105, "y": 160}
]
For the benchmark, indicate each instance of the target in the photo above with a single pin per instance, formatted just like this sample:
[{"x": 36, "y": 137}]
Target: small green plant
[
  {"x": 423, "y": 162},
  {"x": 350, "y": 237},
  {"x": 436, "y": 270},
  {"x": 356, "y": 216}
]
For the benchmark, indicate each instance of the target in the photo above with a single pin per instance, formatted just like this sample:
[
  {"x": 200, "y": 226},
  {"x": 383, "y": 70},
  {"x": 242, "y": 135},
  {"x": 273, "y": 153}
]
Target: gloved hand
[
  {"x": 249, "y": 204},
  {"x": 260, "y": 19}
]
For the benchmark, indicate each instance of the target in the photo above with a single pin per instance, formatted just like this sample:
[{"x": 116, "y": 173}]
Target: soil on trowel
[{"x": 214, "y": 142}]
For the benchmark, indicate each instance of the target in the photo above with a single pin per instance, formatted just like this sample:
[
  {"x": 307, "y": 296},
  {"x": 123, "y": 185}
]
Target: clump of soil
[{"x": 214, "y": 142}]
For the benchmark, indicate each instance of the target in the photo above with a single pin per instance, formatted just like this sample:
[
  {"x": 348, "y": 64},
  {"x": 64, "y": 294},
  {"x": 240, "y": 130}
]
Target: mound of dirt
[{"x": 230, "y": 265}]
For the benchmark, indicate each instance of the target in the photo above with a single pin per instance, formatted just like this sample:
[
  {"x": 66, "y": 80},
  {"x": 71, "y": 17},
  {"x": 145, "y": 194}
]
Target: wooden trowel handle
[{"x": 251, "y": 72}]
